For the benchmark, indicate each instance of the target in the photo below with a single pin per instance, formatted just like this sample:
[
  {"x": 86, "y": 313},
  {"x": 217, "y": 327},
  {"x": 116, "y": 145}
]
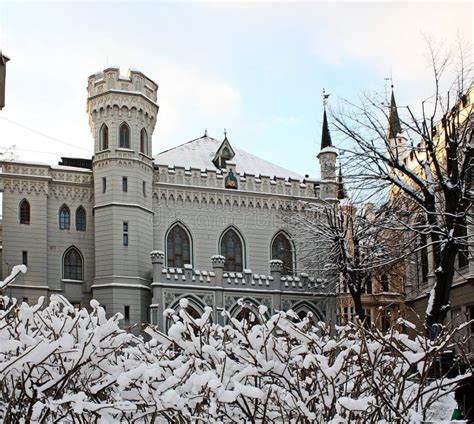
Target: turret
[
  {"x": 341, "y": 191},
  {"x": 122, "y": 116},
  {"x": 396, "y": 138},
  {"x": 327, "y": 161}
]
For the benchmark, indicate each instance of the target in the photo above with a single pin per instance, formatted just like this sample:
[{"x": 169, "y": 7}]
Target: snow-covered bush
[{"x": 60, "y": 364}]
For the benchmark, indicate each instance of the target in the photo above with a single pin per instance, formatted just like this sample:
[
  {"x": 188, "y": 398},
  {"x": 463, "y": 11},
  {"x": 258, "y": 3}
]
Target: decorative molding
[{"x": 25, "y": 186}]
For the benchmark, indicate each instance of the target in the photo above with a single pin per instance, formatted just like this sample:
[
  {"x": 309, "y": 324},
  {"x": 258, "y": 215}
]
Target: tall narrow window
[
  {"x": 384, "y": 282},
  {"x": 104, "y": 184},
  {"x": 124, "y": 136},
  {"x": 144, "y": 188},
  {"x": 125, "y": 233},
  {"x": 283, "y": 250},
  {"x": 124, "y": 184},
  {"x": 178, "y": 247},
  {"x": 64, "y": 218},
  {"x": 143, "y": 141},
  {"x": 72, "y": 265},
  {"x": 80, "y": 219},
  {"x": 25, "y": 212},
  {"x": 104, "y": 137},
  {"x": 126, "y": 313},
  {"x": 24, "y": 257},
  {"x": 232, "y": 250}
]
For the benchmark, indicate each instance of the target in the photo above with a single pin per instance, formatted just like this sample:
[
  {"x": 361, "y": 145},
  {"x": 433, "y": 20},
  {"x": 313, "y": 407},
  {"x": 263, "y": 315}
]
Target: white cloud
[
  {"x": 186, "y": 93},
  {"x": 389, "y": 36}
]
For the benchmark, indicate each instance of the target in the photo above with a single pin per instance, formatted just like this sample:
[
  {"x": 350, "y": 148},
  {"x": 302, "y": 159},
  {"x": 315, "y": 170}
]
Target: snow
[
  {"x": 16, "y": 270},
  {"x": 199, "y": 153},
  {"x": 62, "y": 364}
]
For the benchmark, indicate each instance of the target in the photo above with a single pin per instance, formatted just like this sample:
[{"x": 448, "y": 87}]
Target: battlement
[
  {"x": 212, "y": 178},
  {"x": 219, "y": 278},
  {"x": 110, "y": 80}
]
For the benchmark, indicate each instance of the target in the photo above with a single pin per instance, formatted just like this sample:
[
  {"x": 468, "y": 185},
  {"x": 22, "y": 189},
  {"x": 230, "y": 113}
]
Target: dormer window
[
  {"x": 224, "y": 153},
  {"x": 225, "y": 156}
]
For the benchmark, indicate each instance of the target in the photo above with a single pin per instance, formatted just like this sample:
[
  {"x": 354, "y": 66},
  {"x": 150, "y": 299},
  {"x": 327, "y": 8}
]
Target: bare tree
[
  {"x": 423, "y": 166},
  {"x": 354, "y": 244}
]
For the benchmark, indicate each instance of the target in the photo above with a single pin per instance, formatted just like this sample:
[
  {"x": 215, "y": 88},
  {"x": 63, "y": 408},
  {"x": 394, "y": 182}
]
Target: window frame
[
  {"x": 125, "y": 184},
  {"x": 125, "y": 237},
  {"x": 24, "y": 216},
  {"x": 190, "y": 245},
  {"x": 65, "y": 268},
  {"x": 104, "y": 137},
  {"x": 292, "y": 251},
  {"x": 144, "y": 141},
  {"x": 82, "y": 220},
  {"x": 125, "y": 143},
  {"x": 64, "y": 225},
  {"x": 242, "y": 243}
]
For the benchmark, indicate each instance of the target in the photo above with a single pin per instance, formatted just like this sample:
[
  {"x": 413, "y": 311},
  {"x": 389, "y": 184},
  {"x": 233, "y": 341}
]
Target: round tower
[{"x": 122, "y": 116}]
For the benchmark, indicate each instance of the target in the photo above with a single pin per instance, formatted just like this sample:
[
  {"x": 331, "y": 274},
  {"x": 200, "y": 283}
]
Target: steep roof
[
  {"x": 199, "y": 153},
  {"x": 394, "y": 126},
  {"x": 325, "y": 135}
]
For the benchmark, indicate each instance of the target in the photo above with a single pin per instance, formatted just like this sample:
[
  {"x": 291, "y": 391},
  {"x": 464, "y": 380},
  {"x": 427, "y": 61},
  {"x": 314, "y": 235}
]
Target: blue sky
[{"x": 254, "y": 68}]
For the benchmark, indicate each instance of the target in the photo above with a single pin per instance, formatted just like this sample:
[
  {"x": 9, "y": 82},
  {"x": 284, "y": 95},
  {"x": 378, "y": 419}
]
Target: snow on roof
[{"x": 199, "y": 153}]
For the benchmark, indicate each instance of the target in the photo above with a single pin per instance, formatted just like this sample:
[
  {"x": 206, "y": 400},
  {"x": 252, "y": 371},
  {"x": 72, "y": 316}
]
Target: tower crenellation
[
  {"x": 113, "y": 100},
  {"x": 110, "y": 79}
]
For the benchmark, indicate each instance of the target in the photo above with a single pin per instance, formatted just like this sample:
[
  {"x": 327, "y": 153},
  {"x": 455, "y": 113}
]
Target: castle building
[{"x": 138, "y": 233}]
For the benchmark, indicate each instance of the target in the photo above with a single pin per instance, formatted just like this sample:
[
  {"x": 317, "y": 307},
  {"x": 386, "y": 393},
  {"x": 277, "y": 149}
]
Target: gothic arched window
[
  {"x": 282, "y": 249},
  {"x": 80, "y": 219},
  {"x": 72, "y": 265},
  {"x": 124, "y": 136},
  {"x": 64, "y": 218},
  {"x": 178, "y": 247},
  {"x": 233, "y": 251},
  {"x": 25, "y": 212},
  {"x": 104, "y": 137},
  {"x": 143, "y": 141}
]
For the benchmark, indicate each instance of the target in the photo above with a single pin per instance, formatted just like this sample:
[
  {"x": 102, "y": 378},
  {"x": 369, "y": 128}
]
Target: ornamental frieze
[
  {"x": 223, "y": 201},
  {"x": 71, "y": 192},
  {"x": 25, "y": 186}
]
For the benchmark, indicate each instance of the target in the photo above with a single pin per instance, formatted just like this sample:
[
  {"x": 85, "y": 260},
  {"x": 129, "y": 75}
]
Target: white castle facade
[{"x": 138, "y": 233}]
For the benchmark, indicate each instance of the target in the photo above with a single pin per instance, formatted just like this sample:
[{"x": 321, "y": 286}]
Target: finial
[
  {"x": 205, "y": 132},
  {"x": 225, "y": 133},
  {"x": 325, "y": 98}
]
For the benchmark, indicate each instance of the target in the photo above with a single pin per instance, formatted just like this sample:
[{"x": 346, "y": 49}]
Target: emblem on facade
[{"x": 231, "y": 180}]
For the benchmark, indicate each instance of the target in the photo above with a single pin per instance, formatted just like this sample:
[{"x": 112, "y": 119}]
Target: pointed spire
[
  {"x": 341, "y": 191},
  {"x": 325, "y": 135},
  {"x": 394, "y": 126}
]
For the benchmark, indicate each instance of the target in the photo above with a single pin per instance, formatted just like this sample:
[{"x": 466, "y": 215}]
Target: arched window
[
  {"x": 25, "y": 212},
  {"x": 104, "y": 137},
  {"x": 124, "y": 136},
  {"x": 143, "y": 141},
  {"x": 80, "y": 219},
  {"x": 232, "y": 250},
  {"x": 178, "y": 247},
  {"x": 283, "y": 250},
  {"x": 72, "y": 265},
  {"x": 64, "y": 218}
]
